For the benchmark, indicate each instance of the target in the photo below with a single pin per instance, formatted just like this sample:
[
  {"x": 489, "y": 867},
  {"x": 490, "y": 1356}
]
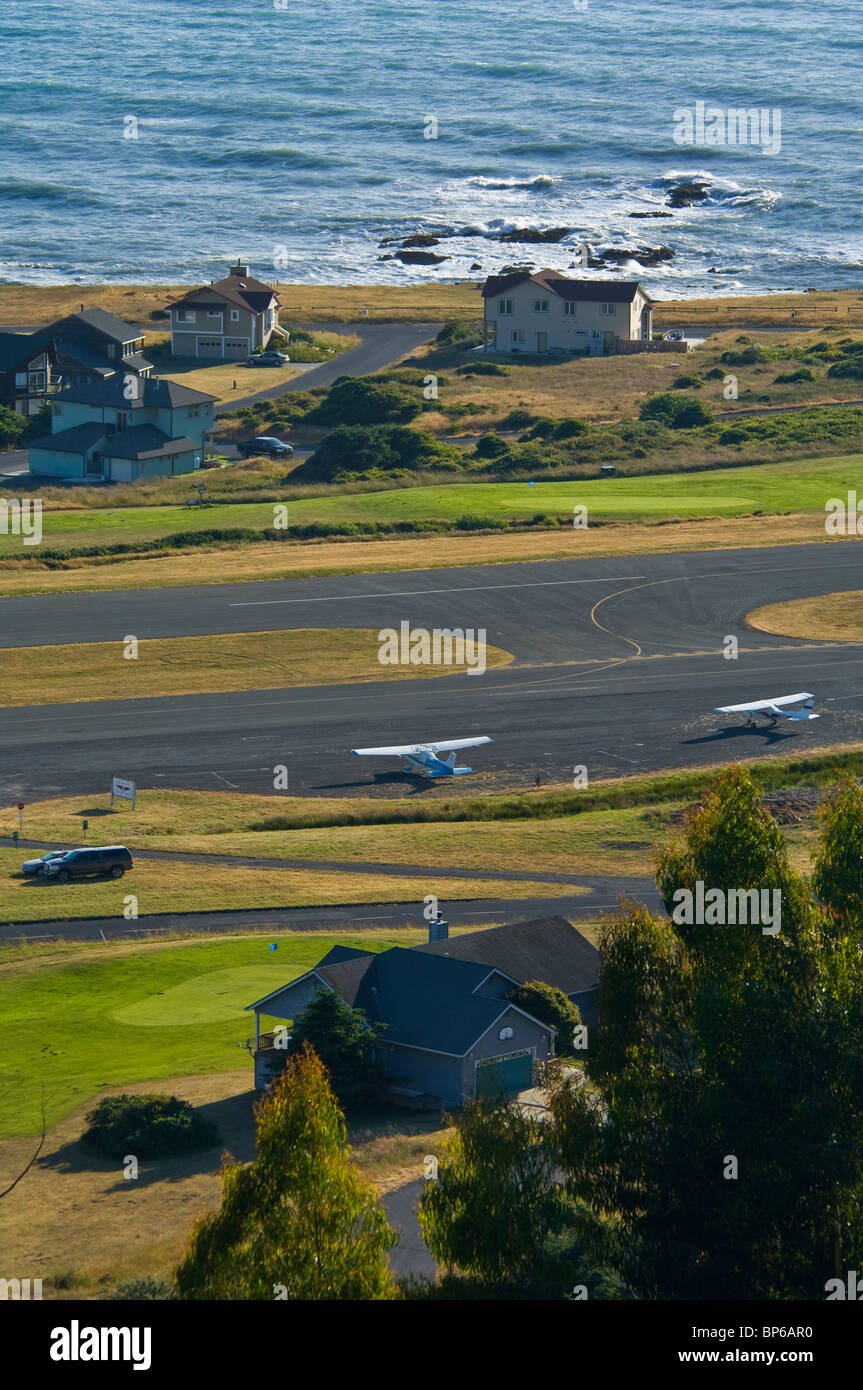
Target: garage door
[{"x": 511, "y": 1072}]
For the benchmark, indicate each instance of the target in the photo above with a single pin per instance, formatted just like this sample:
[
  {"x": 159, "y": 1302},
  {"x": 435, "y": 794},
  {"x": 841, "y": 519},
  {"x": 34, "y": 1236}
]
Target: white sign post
[{"x": 125, "y": 790}]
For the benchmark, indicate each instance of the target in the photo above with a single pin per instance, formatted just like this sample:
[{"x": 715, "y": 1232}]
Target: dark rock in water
[
  {"x": 470, "y": 231},
  {"x": 532, "y": 234},
  {"x": 386, "y": 258},
  {"x": 683, "y": 195},
  {"x": 421, "y": 239},
  {"x": 517, "y": 269},
  {"x": 419, "y": 257},
  {"x": 651, "y": 214},
  {"x": 597, "y": 263},
  {"x": 477, "y": 265},
  {"x": 645, "y": 255}
]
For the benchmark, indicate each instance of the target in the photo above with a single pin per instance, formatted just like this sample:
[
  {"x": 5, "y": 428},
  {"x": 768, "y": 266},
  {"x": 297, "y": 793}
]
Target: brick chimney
[{"x": 240, "y": 270}]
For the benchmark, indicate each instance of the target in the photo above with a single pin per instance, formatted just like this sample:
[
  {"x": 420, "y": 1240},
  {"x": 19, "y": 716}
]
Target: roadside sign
[{"x": 123, "y": 789}]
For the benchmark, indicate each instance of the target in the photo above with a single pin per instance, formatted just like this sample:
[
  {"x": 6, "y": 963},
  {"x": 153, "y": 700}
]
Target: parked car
[
  {"x": 265, "y": 444},
  {"x": 30, "y": 867},
  {"x": 267, "y": 359},
  {"x": 108, "y": 860}
]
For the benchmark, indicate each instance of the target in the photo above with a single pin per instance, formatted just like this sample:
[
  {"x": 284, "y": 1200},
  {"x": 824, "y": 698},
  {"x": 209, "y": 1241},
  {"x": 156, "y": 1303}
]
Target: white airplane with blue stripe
[
  {"x": 423, "y": 757},
  {"x": 774, "y": 710}
]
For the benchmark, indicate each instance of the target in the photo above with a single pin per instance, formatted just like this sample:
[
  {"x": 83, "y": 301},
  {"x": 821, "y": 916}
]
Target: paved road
[
  {"x": 618, "y": 664},
  {"x": 602, "y": 898},
  {"x": 382, "y": 344}
]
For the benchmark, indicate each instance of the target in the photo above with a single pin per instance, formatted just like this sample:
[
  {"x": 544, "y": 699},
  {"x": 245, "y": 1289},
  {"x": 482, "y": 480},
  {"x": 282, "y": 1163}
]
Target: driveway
[{"x": 381, "y": 345}]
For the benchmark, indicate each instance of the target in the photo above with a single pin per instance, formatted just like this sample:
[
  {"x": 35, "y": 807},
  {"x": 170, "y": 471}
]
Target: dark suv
[{"x": 107, "y": 860}]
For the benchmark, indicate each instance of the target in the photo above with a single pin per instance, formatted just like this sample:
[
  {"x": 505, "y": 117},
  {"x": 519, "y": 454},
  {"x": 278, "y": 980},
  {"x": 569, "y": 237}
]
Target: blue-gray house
[
  {"x": 450, "y": 1032},
  {"x": 124, "y": 428}
]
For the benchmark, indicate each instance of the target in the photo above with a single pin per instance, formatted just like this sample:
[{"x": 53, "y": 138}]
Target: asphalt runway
[{"x": 618, "y": 664}]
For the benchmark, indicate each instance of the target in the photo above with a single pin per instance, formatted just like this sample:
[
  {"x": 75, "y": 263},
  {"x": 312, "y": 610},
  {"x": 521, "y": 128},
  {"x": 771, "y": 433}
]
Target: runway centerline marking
[{"x": 420, "y": 593}]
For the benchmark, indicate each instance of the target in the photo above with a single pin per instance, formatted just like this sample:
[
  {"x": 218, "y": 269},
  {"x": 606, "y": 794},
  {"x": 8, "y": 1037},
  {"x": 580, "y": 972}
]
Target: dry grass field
[
  {"x": 606, "y": 389},
  {"x": 84, "y": 671},
  {"x": 429, "y": 302},
  {"x": 305, "y": 559},
  {"x": 835, "y": 617}
]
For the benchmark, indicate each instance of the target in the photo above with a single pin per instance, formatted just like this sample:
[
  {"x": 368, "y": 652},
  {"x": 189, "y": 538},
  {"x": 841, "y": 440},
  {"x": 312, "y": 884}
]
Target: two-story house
[
  {"x": 78, "y": 350},
  {"x": 228, "y": 319},
  {"x": 124, "y": 428},
  {"x": 547, "y": 312}
]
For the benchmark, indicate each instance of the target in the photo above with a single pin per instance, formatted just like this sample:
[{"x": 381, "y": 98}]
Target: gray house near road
[
  {"x": 450, "y": 1033},
  {"x": 124, "y": 428},
  {"x": 227, "y": 320}
]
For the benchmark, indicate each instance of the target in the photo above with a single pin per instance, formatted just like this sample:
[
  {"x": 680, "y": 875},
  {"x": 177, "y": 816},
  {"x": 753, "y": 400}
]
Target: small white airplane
[
  {"x": 423, "y": 757},
  {"x": 774, "y": 710}
]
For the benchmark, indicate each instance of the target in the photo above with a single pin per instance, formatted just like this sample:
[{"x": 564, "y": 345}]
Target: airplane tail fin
[
  {"x": 449, "y": 760},
  {"x": 806, "y": 711}
]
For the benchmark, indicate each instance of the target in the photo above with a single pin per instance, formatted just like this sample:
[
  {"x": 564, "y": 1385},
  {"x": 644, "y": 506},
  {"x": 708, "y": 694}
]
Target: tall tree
[
  {"x": 344, "y": 1039},
  {"x": 298, "y": 1222},
  {"x": 726, "y": 1129},
  {"x": 838, "y": 875},
  {"x": 494, "y": 1195}
]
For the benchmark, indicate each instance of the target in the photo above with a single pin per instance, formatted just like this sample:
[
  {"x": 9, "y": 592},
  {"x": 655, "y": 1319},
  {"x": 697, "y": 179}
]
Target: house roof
[
  {"x": 431, "y": 997},
  {"x": 612, "y": 291},
  {"x": 101, "y": 321},
  {"x": 243, "y": 290},
  {"x": 547, "y": 948},
  {"x": 17, "y": 348},
  {"x": 146, "y": 442},
  {"x": 153, "y": 392},
  {"x": 76, "y": 440}
]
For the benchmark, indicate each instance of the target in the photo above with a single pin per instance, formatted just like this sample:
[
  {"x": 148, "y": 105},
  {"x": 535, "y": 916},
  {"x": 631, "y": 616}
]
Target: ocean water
[{"x": 297, "y": 138}]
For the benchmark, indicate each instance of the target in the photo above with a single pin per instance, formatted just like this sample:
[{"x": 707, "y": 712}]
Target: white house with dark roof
[
  {"x": 228, "y": 319},
  {"x": 124, "y": 428},
  {"x": 546, "y": 312}
]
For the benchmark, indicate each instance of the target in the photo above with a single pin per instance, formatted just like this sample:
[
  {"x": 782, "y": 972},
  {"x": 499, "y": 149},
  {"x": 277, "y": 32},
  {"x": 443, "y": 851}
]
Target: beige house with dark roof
[
  {"x": 227, "y": 320},
  {"x": 546, "y": 312}
]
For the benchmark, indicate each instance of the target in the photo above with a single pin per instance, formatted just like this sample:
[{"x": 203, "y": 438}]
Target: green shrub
[
  {"x": 143, "y": 1290},
  {"x": 675, "y": 412},
  {"x": 483, "y": 369},
  {"x": 361, "y": 449},
  {"x": 789, "y": 378},
  {"x": 460, "y": 334},
  {"x": 688, "y": 381},
  {"x": 490, "y": 446},
  {"x": 851, "y": 367},
  {"x": 356, "y": 400},
  {"x": 12, "y": 426},
  {"x": 148, "y": 1126}
]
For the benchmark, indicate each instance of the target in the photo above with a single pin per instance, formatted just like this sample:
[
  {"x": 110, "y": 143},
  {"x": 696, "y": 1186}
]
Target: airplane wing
[
  {"x": 453, "y": 743},
  {"x": 397, "y": 748},
  {"x": 402, "y": 749},
  {"x": 755, "y": 705}
]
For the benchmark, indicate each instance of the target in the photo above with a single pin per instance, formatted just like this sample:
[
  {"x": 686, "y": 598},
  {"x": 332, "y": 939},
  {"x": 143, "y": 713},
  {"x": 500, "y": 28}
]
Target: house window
[
  {"x": 518, "y": 335},
  {"x": 214, "y": 313},
  {"x": 20, "y": 378},
  {"x": 235, "y": 316},
  {"x": 569, "y": 307},
  {"x": 504, "y": 306},
  {"x": 194, "y": 411},
  {"x": 186, "y": 316},
  {"x": 122, "y": 419},
  {"x": 58, "y": 409},
  {"x": 607, "y": 308},
  {"x": 540, "y": 306}
]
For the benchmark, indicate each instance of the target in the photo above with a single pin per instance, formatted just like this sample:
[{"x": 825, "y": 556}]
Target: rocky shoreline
[{"x": 415, "y": 249}]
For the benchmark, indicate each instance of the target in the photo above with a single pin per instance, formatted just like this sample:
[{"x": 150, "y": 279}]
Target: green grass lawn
[
  {"x": 98, "y": 1018},
  {"x": 795, "y": 486}
]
